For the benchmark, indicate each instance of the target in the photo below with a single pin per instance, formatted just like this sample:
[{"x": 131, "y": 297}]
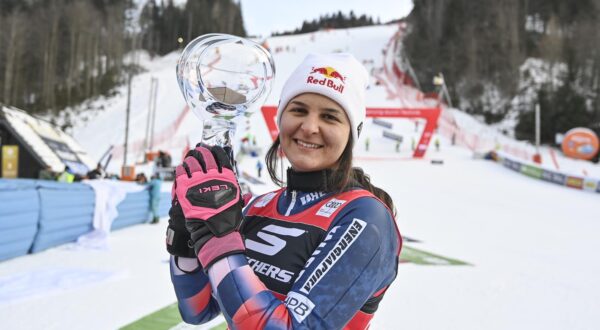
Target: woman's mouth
[{"x": 307, "y": 145}]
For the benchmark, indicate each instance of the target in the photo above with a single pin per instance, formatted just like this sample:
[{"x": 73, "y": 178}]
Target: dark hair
[{"x": 343, "y": 177}]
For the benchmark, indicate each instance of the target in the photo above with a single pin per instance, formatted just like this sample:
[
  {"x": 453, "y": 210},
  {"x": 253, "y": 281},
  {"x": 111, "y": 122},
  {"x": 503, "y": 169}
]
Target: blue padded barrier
[
  {"x": 36, "y": 215},
  {"x": 19, "y": 210},
  {"x": 133, "y": 210},
  {"x": 66, "y": 212},
  {"x": 164, "y": 204}
]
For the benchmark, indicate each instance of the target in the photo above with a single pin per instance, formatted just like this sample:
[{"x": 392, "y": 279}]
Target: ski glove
[
  {"x": 177, "y": 234},
  {"x": 209, "y": 195}
]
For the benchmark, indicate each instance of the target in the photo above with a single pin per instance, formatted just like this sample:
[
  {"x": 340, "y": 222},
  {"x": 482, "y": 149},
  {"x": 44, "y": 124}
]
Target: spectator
[
  {"x": 259, "y": 167},
  {"x": 66, "y": 176},
  {"x": 97, "y": 173},
  {"x": 141, "y": 178},
  {"x": 47, "y": 174},
  {"x": 154, "y": 187},
  {"x": 164, "y": 159}
]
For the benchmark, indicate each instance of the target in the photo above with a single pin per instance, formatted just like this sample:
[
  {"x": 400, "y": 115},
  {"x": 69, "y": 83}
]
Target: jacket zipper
[{"x": 292, "y": 203}]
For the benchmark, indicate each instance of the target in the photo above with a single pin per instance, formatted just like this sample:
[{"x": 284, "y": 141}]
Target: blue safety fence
[
  {"x": 135, "y": 209},
  {"x": 19, "y": 212},
  {"x": 164, "y": 204},
  {"x": 66, "y": 212},
  {"x": 36, "y": 215}
]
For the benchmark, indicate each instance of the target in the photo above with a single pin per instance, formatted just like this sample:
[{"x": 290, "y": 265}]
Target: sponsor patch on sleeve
[
  {"x": 299, "y": 305},
  {"x": 335, "y": 253},
  {"x": 328, "y": 208}
]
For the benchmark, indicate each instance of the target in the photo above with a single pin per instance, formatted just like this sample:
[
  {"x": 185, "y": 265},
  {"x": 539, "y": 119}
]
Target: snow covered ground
[{"x": 529, "y": 244}]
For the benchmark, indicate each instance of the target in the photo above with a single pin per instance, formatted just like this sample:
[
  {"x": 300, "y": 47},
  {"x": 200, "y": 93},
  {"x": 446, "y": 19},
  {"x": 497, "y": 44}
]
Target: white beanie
[{"x": 339, "y": 77}]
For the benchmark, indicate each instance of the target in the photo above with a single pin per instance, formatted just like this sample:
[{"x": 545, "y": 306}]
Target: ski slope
[{"x": 530, "y": 245}]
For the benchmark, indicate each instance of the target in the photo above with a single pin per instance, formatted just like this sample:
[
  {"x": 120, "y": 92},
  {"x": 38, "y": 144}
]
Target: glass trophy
[{"x": 222, "y": 78}]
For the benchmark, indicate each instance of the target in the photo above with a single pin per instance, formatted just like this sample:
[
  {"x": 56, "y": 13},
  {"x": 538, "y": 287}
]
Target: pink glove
[{"x": 208, "y": 193}]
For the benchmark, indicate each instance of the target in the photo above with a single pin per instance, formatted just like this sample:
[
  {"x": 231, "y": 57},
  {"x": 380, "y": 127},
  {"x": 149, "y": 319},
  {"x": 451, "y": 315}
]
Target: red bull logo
[{"x": 332, "y": 78}]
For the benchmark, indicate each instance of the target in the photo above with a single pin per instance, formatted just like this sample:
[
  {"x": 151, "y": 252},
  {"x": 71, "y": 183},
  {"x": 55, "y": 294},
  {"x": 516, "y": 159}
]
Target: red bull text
[{"x": 330, "y": 76}]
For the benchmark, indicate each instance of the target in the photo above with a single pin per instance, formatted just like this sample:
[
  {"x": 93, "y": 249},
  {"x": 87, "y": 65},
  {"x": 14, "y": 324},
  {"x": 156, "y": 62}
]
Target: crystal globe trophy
[{"x": 224, "y": 77}]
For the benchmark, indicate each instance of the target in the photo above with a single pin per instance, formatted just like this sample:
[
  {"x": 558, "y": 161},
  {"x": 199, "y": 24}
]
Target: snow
[{"x": 529, "y": 244}]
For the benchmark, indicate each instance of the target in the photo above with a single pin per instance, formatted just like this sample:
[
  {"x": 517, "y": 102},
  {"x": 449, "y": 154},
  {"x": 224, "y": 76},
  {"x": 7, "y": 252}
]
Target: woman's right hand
[{"x": 207, "y": 190}]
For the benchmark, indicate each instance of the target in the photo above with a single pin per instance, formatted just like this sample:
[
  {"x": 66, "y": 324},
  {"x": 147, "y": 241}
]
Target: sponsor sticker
[
  {"x": 299, "y": 305},
  {"x": 589, "y": 184},
  {"x": 265, "y": 199},
  {"x": 311, "y": 197},
  {"x": 559, "y": 178},
  {"x": 170, "y": 235},
  {"x": 328, "y": 208},
  {"x": 574, "y": 182},
  {"x": 531, "y": 171},
  {"x": 333, "y": 256}
]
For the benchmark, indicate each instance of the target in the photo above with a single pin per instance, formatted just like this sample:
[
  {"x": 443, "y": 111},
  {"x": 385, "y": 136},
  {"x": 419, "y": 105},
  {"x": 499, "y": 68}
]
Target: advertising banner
[
  {"x": 554, "y": 177},
  {"x": 531, "y": 171},
  {"x": 580, "y": 143},
  {"x": 574, "y": 182},
  {"x": 590, "y": 184},
  {"x": 10, "y": 162}
]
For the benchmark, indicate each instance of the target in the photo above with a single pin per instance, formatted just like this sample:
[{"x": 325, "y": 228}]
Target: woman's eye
[
  {"x": 330, "y": 117},
  {"x": 297, "y": 110}
]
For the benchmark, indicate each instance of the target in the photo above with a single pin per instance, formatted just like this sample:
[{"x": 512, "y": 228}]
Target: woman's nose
[{"x": 310, "y": 125}]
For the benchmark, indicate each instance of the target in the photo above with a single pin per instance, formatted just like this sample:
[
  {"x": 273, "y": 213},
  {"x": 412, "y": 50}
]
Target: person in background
[
  {"x": 97, "y": 173},
  {"x": 259, "y": 167},
  {"x": 164, "y": 159},
  {"x": 155, "y": 188},
  {"x": 437, "y": 144},
  {"x": 66, "y": 176},
  {"x": 47, "y": 174},
  {"x": 141, "y": 178},
  {"x": 319, "y": 253}
]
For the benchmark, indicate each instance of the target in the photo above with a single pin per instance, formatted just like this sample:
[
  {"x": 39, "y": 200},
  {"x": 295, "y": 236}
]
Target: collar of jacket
[{"x": 308, "y": 181}]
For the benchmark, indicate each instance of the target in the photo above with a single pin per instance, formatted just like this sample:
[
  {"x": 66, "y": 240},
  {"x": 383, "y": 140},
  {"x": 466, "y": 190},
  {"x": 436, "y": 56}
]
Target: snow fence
[
  {"x": 36, "y": 215},
  {"x": 536, "y": 172}
]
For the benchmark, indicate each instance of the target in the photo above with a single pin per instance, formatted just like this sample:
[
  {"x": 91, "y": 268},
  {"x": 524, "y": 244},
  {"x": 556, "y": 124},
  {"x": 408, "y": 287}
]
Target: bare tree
[{"x": 14, "y": 50}]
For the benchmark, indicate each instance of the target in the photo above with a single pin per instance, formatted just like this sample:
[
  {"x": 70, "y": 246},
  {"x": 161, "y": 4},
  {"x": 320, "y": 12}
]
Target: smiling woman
[
  {"x": 317, "y": 254},
  {"x": 314, "y": 132}
]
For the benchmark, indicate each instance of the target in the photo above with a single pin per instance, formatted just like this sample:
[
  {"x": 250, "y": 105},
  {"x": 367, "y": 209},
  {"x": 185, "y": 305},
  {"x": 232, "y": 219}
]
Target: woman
[{"x": 317, "y": 254}]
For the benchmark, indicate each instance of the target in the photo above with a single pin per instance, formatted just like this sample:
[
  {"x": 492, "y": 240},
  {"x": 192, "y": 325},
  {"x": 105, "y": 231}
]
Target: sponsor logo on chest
[
  {"x": 328, "y": 208},
  {"x": 271, "y": 271},
  {"x": 311, "y": 197},
  {"x": 265, "y": 199}
]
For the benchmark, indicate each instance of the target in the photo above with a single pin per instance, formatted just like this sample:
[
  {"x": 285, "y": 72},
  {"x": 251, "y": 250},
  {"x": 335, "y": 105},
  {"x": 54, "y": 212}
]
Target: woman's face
[{"x": 314, "y": 131}]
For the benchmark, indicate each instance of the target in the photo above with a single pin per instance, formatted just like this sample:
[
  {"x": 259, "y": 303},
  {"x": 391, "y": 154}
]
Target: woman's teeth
[{"x": 308, "y": 145}]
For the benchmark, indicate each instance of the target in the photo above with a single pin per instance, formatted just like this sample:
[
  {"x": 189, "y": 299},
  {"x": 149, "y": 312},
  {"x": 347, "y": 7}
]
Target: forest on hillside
[
  {"x": 337, "y": 20},
  {"x": 59, "y": 53},
  {"x": 490, "y": 53}
]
